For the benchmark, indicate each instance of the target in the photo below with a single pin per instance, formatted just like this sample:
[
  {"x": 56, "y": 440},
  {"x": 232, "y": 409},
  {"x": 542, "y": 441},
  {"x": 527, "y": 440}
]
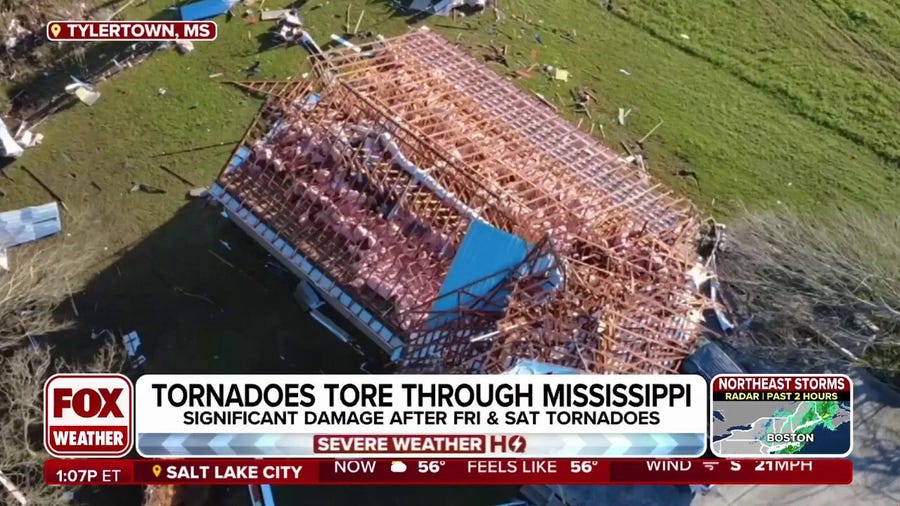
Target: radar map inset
[{"x": 781, "y": 416}]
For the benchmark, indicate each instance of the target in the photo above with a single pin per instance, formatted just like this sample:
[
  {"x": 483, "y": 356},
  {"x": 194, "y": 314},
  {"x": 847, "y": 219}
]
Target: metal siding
[{"x": 29, "y": 224}]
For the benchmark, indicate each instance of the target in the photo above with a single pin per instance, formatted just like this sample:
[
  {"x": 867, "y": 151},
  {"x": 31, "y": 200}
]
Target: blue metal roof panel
[{"x": 486, "y": 253}]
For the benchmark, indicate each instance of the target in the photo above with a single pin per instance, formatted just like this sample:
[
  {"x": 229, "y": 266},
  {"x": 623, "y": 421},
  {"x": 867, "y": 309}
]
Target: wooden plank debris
[
  {"x": 46, "y": 188},
  {"x": 358, "y": 22},
  {"x": 644, "y": 138}
]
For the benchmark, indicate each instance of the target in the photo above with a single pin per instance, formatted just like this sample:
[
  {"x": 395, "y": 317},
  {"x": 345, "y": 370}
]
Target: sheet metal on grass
[{"x": 29, "y": 224}]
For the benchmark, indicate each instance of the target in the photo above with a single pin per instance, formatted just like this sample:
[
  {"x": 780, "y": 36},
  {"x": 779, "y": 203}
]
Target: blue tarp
[
  {"x": 486, "y": 254},
  {"x": 205, "y": 9},
  {"x": 29, "y": 224}
]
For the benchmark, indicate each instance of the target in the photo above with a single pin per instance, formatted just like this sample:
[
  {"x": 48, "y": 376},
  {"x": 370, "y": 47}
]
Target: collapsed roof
[{"x": 473, "y": 221}]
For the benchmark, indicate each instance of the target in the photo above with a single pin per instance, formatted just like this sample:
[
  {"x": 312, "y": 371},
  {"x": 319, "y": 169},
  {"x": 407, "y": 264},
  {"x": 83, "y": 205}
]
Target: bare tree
[
  {"x": 821, "y": 289},
  {"x": 22, "y": 376},
  {"x": 41, "y": 279},
  {"x": 30, "y": 294}
]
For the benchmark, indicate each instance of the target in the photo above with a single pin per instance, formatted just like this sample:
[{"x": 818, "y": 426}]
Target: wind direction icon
[{"x": 710, "y": 465}]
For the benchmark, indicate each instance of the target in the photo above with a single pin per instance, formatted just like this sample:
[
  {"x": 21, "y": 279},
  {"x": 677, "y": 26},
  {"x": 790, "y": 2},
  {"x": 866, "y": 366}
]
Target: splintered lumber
[
  {"x": 545, "y": 101},
  {"x": 358, "y": 22},
  {"x": 644, "y": 138},
  {"x": 347, "y": 19},
  {"x": 442, "y": 143}
]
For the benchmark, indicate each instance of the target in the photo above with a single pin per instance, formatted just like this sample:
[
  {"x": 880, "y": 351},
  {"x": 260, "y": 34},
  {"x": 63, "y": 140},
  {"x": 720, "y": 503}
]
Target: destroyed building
[{"x": 459, "y": 222}]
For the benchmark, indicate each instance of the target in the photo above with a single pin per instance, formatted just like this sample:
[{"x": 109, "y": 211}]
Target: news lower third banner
[{"x": 420, "y": 415}]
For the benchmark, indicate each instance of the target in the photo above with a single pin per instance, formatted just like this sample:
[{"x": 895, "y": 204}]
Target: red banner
[
  {"x": 131, "y": 30},
  {"x": 446, "y": 472}
]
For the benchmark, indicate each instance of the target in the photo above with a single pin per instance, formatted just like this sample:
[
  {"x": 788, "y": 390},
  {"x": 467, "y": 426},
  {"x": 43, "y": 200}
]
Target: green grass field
[{"x": 767, "y": 105}]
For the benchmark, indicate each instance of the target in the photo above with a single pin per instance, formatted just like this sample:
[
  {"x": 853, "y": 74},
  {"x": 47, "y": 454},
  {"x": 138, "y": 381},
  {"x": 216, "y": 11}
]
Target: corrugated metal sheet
[
  {"x": 483, "y": 261},
  {"x": 205, "y": 9},
  {"x": 29, "y": 224}
]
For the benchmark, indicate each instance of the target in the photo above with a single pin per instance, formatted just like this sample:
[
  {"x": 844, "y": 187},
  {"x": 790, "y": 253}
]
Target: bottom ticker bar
[{"x": 447, "y": 472}]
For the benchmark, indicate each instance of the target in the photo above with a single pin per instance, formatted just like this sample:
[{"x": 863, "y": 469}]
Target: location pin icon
[
  {"x": 156, "y": 470},
  {"x": 55, "y": 29}
]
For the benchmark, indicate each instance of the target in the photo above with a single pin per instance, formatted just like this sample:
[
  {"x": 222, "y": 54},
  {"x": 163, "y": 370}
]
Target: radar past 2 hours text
[
  {"x": 763, "y": 388},
  {"x": 423, "y": 404}
]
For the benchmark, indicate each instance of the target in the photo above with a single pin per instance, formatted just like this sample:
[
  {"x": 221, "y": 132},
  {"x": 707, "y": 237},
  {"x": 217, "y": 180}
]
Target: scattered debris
[
  {"x": 161, "y": 91},
  {"x": 26, "y": 225},
  {"x": 28, "y": 139},
  {"x": 309, "y": 44},
  {"x": 249, "y": 18},
  {"x": 444, "y": 7},
  {"x": 198, "y": 193},
  {"x": 358, "y": 22},
  {"x": 8, "y": 146},
  {"x": 104, "y": 333},
  {"x": 273, "y": 15},
  {"x": 638, "y": 160},
  {"x": 184, "y": 46},
  {"x": 497, "y": 53},
  {"x": 254, "y": 69},
  {"x": 10, "y": 486},
  {"x": 346, "y": 43},
  {"x": 141, "y": 187},
  {"x": 545, "y": 101},
  {"x": 644, "y": 138},
  {"x": 198, "y": 148},
  {"x": 538, "y": 39},
  {"x": 16, "y": 32},
  {"x": 523, "y": 73},
  {"x": 120, "y": 9},
  {"x": 176, "y": 175},
  {"x": 225, "y": 244},
  {"x": 688, "y": 173},
  {"x": 45, "y": 187},
  {"x": 623, "y": 71},
  {"x": 289, "y": 27},
  {"x": 205, "y": 9},
  {"x": 630, "y": 153},
  {"x": 561, "y": 75},
  {"x": 685, "y": 36},
  {"x": 132, "y": 342},
  {"x": 84, "y": 91},
  {"x": 217, "y": 74},
  {"x": 71, "y": 297},
  {"x": 347, "y": 19},
  {"x": 622, "y": 115}
]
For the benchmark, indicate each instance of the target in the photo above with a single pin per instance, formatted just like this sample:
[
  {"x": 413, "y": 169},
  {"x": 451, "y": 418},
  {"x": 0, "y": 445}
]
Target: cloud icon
[{"x": 398, "y": 467}]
